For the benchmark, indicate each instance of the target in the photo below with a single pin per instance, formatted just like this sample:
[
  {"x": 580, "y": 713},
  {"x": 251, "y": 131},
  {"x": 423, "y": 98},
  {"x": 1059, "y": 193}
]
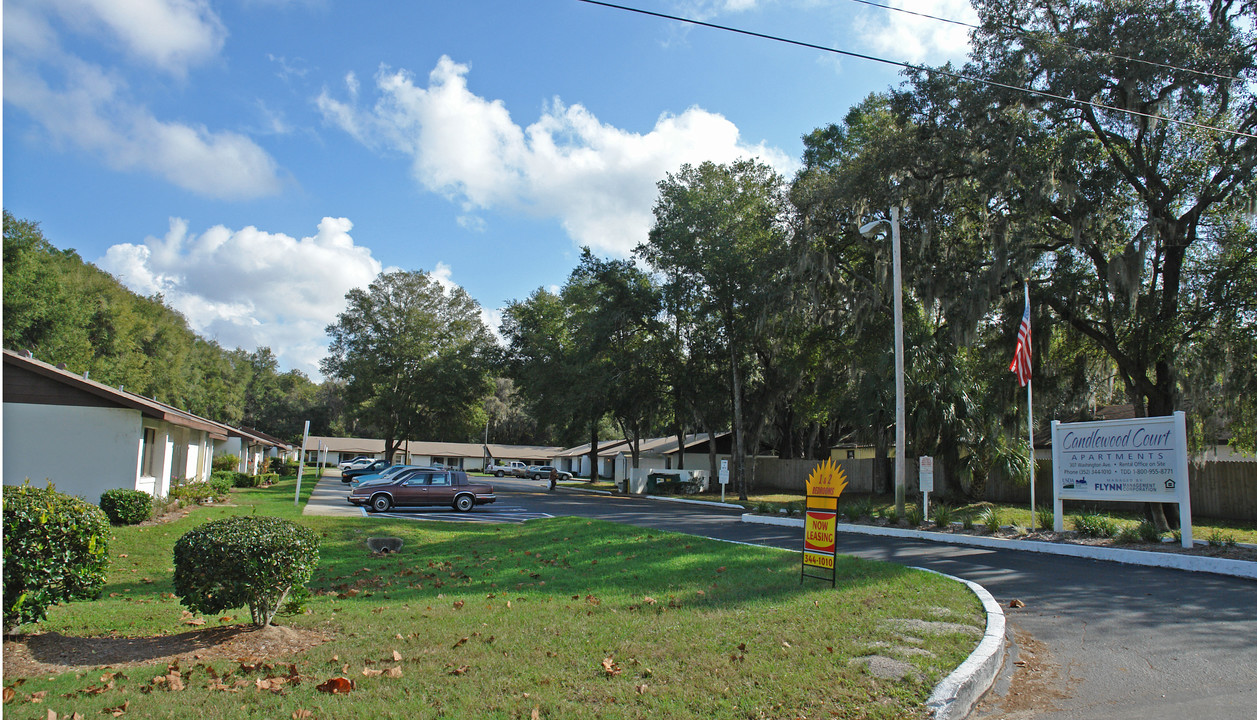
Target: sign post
[
  {"x": 926, "y": 482},
  {"x": 301, "y": 463},
  {"x": 1136, "y": 460},
  {"x": 820, "y": 528}
]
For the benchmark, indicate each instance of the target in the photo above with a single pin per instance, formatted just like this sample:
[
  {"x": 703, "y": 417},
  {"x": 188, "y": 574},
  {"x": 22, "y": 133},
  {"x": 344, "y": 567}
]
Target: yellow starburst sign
[
  {"x": 820, "y": 548},
  {"x": 826, "y": 481}
]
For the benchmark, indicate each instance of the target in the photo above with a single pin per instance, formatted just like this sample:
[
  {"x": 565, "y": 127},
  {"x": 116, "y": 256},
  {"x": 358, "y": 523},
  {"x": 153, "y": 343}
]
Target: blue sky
[{"x": 253, "y": 160}]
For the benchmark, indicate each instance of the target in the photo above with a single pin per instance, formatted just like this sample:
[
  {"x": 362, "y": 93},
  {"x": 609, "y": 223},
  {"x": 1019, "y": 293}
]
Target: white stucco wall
[{"x": 83, "y": 450}]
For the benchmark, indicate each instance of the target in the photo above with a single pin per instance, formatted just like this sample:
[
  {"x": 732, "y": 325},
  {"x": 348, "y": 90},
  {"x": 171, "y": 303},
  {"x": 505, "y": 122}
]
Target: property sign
[
  {"x": 926, "y": 483},
  {"x": 724, "y": 472},
  {"x": 820, "y": 538},
  {"x": 820, "y": 527},
  {"x": 1136, "y": 460}
]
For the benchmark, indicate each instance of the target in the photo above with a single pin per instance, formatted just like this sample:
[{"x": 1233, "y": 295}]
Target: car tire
[
  {"x": 381, "y": 503},
  {"x": 464, "y": 503},
  {"x": 499, "y": 473}
]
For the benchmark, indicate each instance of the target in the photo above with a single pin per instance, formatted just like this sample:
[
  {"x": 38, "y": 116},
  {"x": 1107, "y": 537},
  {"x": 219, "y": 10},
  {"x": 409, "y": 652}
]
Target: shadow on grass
[
  {"x": 570, "y": 556},
  {"x": 57, "y": 649}
]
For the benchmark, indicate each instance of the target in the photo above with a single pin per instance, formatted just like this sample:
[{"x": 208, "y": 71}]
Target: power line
[
  {"x": 1049, "y": 41},
  {"x": 922, "y": 68}
]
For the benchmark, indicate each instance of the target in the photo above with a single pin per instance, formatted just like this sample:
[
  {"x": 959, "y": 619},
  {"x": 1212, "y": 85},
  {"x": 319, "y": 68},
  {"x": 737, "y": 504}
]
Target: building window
[
  {"x": 851, "y": 454},
  {"x": 148, "y": 457}
]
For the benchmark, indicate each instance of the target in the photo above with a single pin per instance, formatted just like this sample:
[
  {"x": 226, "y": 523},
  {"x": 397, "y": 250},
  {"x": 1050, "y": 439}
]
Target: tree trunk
[
  {"x": 711, "y": 456},
  {"x": 680, "y": 430},
  {"x": 881, "y": 468},
  {"x": 593, "y": 450}
]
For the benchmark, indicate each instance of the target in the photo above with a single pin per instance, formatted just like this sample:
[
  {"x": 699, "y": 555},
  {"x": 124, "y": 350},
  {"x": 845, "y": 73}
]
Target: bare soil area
[{"x": 52, "y": 653}]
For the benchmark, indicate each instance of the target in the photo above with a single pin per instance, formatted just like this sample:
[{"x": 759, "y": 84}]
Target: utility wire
[
  {"x": 922, "y": 68},
  {"x": 1058, "y": 43}
]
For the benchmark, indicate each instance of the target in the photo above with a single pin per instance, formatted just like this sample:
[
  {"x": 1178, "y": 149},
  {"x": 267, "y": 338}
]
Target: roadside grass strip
[{"x": 552, "y": 618}]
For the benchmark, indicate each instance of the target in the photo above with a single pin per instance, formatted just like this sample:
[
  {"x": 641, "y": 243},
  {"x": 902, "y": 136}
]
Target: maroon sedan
[{"x": 423, "y": 486}]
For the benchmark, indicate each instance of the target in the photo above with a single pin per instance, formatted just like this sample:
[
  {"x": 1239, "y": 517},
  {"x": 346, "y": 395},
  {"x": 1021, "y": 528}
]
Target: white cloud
[
  {"x": 248, "y": 288},
  {"x": 441, "y": 276},
  {"x": 597, "y": 180},
  {"x": 83, "y": 104},
  {"x": 911, "y": 38},
  {"x": 171, "y": 34}
]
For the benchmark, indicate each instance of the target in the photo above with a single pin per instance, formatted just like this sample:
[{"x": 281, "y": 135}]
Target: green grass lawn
[{"x": 561, "y": 618}]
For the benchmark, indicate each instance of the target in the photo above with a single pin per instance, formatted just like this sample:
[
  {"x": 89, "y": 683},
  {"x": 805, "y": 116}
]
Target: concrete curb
[
  {"x": 954, "y": 697},
  {"x": 591, "y": 491},
  {"x": 707, "y": 503},
  {"x": 1174, "y": 561}
]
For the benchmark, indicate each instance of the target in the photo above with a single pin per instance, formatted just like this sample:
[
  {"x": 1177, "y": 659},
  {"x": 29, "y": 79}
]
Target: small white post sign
[
  {"x": 926, "y": 482},
  {"x": 724, "y": 477},
  {"x": 1136, "y": 460}
]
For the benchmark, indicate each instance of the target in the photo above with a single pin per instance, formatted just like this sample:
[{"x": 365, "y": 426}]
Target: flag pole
[
  {"x": 1030, "y": 421},
  {"x": 1030, "y": 424}
]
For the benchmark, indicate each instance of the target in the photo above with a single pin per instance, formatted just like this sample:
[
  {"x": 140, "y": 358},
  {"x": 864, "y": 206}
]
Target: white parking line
[{"x": 505, "y": 514}]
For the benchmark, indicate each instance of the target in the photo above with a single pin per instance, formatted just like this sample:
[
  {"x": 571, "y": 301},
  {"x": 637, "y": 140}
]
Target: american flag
[{"x": 1021, "y": 356}]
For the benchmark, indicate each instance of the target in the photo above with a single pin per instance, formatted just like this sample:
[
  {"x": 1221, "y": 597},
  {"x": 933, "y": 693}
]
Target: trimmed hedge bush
[
  {"x": 245, "y": 480},
  {"x": 126, "y": 507},
  {"x": 55, "y": 550},
  {"x": 244, "y": 560}
]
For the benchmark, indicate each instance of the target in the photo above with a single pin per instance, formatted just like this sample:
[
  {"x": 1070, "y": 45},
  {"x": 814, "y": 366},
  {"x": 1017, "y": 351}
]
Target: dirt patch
[
  {"x": 53, "y": 653},
  {"x": 1035, "y": 688},
  {"x": 886, "y": 668}
]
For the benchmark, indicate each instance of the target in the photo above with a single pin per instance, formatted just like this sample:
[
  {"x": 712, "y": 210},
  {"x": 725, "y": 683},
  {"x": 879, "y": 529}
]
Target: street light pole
[
  {"x": 900, "y": 436},
  {"x": 869, "y": 230}
]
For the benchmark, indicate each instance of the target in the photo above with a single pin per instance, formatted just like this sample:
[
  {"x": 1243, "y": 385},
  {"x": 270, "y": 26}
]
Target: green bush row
[
  {"x": 55, "y": 550},
  {"x": 126, "y": 507}
]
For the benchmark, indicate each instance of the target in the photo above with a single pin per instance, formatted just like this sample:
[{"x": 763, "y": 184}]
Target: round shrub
[
  {"x": 245, "y": 480},
  {"x": 244, "y": 560},
  {"x": 126, "y": 507},
  {"x": 55, "y": 550}
]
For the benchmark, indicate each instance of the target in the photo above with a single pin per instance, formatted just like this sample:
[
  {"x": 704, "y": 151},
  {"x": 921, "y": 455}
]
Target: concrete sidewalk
[{"x": 329, "y": 498}]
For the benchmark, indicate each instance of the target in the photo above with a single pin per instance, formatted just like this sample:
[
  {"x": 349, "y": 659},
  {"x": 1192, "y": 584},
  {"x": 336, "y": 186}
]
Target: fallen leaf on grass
[
  {"x": 337, "y": 686},
  {"x": 227, "y": 619},
  {"x": 641, "y": 689},
  {"x": 458, "y": 604},
  {"x": 9, "y": 694},
  {"x": 397, "y": 657},
  {"x": 38, "y": 697},
  {"x": 536, "y": 712},
  {"x": 301, "y": 714},
  {"x": 460, "y": 670},
  {"x": 609, "y": 667},
  {"x": 460, "y": 642},
  {"x": 393, "y": 672},
  {"x": 118, "y": 711},
  {"x": 720, "y": 569},
  {"x": 371, "y": 672}
]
